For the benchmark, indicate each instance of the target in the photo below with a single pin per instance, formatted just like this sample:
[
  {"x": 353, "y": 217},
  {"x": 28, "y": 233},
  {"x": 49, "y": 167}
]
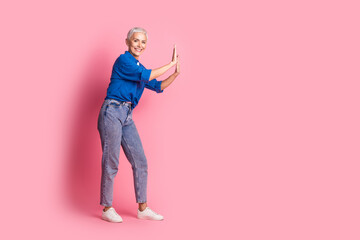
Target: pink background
[{"x": 258, "y": 138}]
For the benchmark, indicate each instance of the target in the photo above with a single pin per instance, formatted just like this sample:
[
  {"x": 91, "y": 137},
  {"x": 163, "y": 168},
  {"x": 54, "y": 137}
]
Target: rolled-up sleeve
[
  {"x": 129, "y": 70},
  {"x": 154, "y": 85}
]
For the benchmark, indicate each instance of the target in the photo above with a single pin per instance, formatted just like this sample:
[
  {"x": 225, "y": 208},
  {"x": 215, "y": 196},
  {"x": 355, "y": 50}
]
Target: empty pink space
[{"x": 258, "y": 137}]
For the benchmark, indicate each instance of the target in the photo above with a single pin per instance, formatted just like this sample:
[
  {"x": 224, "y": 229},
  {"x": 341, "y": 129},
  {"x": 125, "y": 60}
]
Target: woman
[{"x": 116, "y": 126}]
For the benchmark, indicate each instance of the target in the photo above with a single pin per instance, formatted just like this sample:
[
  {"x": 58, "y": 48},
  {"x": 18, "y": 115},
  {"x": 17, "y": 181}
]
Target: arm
[
  {"x": 165, "y": 83},
  {"x": 126, "y": 68},
  {"x": 155, "y": 73},
  {"x": 154, "y": 85}
]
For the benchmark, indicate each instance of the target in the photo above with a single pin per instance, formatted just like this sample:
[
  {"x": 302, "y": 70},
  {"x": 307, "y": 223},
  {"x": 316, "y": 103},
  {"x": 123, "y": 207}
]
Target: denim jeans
[{"x": 116, "y": 127}]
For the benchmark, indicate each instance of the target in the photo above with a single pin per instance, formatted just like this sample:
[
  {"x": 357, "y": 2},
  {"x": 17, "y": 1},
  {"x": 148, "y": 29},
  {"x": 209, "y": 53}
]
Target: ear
[{"x": 126, "y": 42}]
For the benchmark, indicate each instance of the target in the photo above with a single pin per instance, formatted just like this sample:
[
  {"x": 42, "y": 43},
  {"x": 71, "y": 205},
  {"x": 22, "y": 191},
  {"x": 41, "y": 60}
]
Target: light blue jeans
[{"x": 116, "y": 127}]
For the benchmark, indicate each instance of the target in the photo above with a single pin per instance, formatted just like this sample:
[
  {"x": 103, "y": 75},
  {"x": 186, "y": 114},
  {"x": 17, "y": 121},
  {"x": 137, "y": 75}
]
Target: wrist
[{"x": 172, "y": 64}]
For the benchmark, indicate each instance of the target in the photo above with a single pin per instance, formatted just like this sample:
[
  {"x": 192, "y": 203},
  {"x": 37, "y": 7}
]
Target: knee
[
  {"x": 110, "y": 170},
  {"x": 141, "y": 166}
]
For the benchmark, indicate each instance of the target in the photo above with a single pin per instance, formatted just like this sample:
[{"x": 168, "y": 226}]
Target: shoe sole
[
  {"x": 147, "y": 218},
  {"x": 108, "y": 220}
]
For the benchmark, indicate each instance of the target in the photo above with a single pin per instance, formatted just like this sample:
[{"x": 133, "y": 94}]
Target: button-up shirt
[{"x": 128, "y": 80}]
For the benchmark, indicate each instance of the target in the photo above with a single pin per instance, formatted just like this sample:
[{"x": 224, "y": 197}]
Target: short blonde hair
[{"x": 136, "y": 29}]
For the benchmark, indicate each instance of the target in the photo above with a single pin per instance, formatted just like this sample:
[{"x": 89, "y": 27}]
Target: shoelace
[{"x": 113, "y": 212}]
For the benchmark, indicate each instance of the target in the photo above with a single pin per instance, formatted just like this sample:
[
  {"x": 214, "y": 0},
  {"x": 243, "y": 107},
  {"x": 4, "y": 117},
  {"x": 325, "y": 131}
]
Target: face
[{"x": 137, "y": 44}]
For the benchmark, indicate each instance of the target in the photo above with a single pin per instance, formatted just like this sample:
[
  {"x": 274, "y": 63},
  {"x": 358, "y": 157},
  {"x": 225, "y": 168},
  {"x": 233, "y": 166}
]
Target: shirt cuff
[
  {"x": 145, "y": 75},
  {"x": 158, "y": 87}
]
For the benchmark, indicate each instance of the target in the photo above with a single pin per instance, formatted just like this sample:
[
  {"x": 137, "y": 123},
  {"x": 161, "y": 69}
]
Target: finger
[{"x": 174, "y": 55}]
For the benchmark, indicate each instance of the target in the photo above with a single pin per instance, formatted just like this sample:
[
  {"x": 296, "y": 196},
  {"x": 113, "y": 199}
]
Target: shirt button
[{"x": 137, "y": 63}]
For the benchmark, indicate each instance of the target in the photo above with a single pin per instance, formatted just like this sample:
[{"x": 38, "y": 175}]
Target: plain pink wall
[{"x": 258, "y": 138}]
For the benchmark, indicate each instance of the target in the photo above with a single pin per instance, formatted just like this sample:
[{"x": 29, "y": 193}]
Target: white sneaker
[
  {"x": 111, "y": 216},
  {"x": 149, "y": 214}
]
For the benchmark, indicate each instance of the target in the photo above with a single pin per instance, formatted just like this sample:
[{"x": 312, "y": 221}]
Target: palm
[{"x": 177, "y": 65}]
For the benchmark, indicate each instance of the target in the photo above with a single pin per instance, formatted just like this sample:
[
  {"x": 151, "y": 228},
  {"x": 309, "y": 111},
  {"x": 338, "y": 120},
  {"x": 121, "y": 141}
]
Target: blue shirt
[{"x": 128, "y": 80}]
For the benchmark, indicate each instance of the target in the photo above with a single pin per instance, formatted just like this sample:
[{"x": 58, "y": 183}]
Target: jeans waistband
[{"x": 119, "y": 102}]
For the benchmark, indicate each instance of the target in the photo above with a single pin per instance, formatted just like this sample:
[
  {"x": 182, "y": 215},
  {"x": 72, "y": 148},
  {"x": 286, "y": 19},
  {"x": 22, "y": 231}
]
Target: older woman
[{"x": 116, "y": 126}]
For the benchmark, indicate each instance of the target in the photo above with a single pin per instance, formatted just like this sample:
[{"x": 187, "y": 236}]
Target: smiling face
[{"x": 136, "y": 44}]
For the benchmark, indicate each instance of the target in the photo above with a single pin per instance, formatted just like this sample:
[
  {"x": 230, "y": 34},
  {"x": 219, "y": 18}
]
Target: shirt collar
[{"x": 131, "y": 56}]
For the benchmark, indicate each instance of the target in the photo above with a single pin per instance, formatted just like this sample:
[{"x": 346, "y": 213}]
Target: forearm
[
  {"x": 155, "y": 73},
  {"x": 165, "y": 83}
]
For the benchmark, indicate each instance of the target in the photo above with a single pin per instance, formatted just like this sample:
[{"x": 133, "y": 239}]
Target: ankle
[
  {"x": 106, "y": 208},
  {"x": 142, "y": 206}
]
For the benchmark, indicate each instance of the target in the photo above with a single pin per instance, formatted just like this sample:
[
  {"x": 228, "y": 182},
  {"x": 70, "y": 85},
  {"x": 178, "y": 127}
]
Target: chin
[{"x": 136, "y": 52}]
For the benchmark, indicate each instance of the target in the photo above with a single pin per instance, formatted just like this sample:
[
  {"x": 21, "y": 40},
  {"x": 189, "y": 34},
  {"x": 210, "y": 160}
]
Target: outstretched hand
[
  {"x": 174, "y": 56},
  {"x": 177, "y": 69}
]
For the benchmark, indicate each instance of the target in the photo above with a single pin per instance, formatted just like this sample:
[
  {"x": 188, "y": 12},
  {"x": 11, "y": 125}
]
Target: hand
[
  {"x": 177, "y": 69},
  {"x": 174, "y": 56}
]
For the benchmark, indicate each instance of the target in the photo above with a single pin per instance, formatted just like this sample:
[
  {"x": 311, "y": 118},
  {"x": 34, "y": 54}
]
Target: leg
[
  {"x": 134, "y": 152},
  {"x": 110, "y": 129}
]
